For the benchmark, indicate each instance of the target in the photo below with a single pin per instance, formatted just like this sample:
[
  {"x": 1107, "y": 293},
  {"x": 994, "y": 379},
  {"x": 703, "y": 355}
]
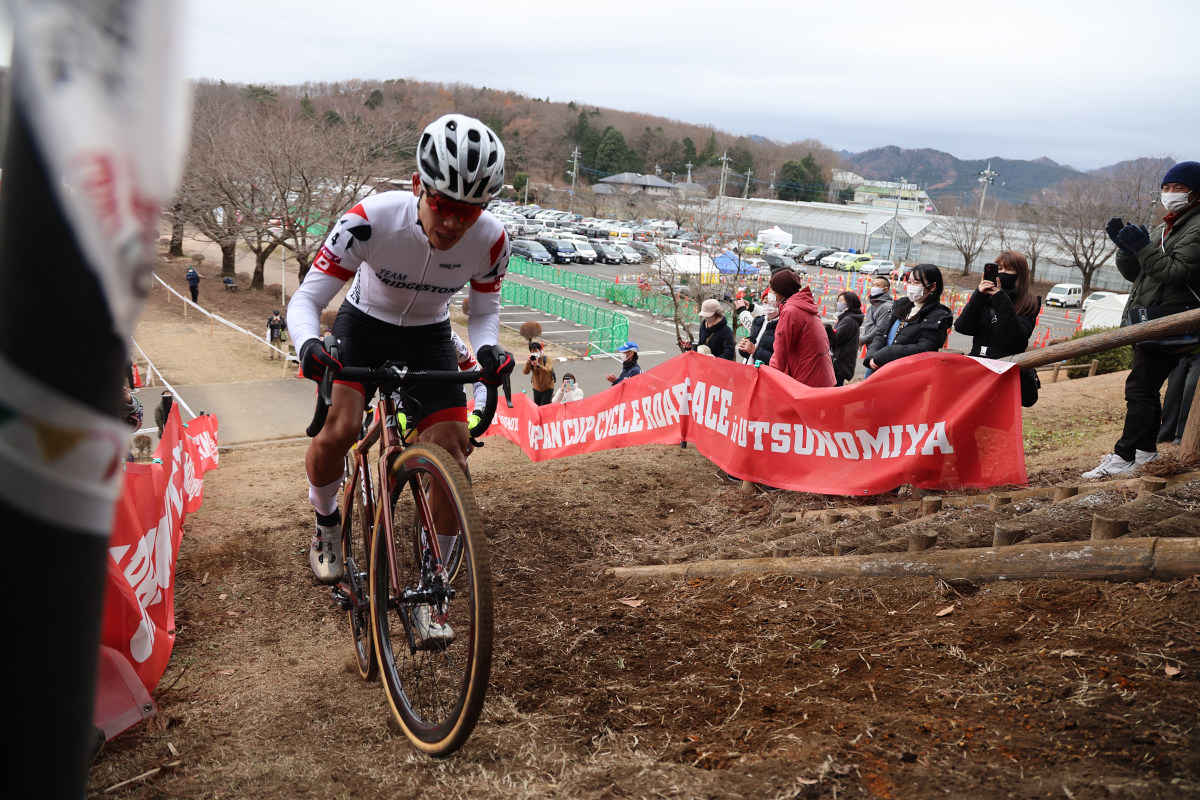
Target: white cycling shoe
[
  {"x": 325, "y": 554},
  {"x": 430, "y": 635}
]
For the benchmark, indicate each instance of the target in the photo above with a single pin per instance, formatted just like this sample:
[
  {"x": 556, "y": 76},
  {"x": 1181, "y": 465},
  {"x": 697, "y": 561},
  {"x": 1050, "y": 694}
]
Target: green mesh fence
[
  {"x": 609, "y": 329},
  {"x": 603, "y": 288}
]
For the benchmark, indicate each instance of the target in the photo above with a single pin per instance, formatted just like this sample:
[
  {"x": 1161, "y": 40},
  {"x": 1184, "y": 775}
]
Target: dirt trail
[{"x": 763, "y": 688}]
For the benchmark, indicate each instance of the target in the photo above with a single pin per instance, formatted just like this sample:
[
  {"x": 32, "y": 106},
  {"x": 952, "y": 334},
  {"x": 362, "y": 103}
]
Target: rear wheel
[
  {"x": 356, "y": 544},
  {"x": 435, "y": 684}
]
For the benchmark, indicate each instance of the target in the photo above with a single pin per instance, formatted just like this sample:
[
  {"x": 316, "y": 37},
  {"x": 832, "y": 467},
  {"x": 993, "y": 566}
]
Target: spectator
[
  {"x": 568, "y": 392},
  {"x": 163, "y": 412},
  {"x": 629, "y": 352},
  {"x": 801, "y": 346},
  {"x": 193, "y": 282},
  {"x": 1177, "y": 404},
  {"x": 1000, "y": 316},
  {"x": 759, "y": 346},
  {"x": 845, "y": 338},
  {"x": 878, "y": 311},
  {"x": 274, "y": 334},
  {"x": 542, "y": 379},
  {"x": 919, "y": 323},
  {"x": 131, "y": 413},
  {"x": 715, "y": 331},
  {"x": 1164, "y": 267}
]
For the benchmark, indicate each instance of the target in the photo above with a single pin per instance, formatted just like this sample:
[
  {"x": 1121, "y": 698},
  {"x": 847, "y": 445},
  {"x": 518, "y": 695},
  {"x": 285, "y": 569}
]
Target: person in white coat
[{"x": 568, "y": 391}]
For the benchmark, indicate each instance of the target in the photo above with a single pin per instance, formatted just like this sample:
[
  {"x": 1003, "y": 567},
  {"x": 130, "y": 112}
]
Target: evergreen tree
[
  {"x": 374, "y": 100},
  {"x": 709, "y": 155}
]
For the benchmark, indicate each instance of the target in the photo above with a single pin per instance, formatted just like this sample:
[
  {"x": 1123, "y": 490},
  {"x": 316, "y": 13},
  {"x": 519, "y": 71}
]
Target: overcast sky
[{"x": 1083, "y": 82}]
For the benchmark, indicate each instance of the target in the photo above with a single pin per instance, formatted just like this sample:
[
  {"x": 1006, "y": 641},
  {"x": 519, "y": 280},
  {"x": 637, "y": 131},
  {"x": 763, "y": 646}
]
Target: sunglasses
[{"x": 445, "y": 207}]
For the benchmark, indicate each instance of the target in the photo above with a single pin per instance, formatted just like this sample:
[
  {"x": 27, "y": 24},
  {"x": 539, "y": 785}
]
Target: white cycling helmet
[{"x": 461, "y": 158}]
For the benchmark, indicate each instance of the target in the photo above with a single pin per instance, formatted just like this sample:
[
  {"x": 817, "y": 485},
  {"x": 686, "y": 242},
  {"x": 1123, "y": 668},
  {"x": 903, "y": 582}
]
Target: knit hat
[
  {"x": 710, "y": 307},
  {"x": 785, "y": 283},
  {"x": 1185, "y": 172}
]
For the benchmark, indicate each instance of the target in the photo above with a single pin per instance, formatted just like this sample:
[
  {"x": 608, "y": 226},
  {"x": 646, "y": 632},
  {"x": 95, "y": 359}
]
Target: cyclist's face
[{"x": 443, "y": 229}]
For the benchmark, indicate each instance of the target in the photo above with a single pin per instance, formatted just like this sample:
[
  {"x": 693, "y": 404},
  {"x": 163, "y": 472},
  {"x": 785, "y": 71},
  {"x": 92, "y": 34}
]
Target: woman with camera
[
  {"x": 919, "y": 322},
  {"x": 1002, "y": 311}
]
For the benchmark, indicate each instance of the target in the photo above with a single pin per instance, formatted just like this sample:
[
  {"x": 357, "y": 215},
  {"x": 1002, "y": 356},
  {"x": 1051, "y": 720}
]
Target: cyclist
[{"x": 408, "y": 255}]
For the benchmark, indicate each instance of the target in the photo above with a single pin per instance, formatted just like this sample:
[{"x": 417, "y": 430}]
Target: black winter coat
[
  {"x": 719, "y": 339},
  {"x": 766, "y": 345},
  {"x": 997, "y": 330},
  {"x": 926, "y": 334},
  {"x": 845, "y": 344}
]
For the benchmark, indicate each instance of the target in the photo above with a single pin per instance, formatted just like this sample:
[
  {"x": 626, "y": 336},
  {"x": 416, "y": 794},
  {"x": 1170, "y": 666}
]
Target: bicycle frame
[{"x": 382, "y": 430}]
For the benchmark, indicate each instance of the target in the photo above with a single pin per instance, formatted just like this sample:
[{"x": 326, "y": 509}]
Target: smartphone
[{"x": 991, "y": 272}]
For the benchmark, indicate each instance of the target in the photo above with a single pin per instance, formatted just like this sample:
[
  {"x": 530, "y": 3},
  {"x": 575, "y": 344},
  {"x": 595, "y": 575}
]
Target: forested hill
[{"x": 944, "y": 175}]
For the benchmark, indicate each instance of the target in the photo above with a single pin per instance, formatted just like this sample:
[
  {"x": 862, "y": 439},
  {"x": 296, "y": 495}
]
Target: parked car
[
  {"x": 631, "y": 256},
  {"x": 1065, "y": 295},
  {"x": 562, "y": 251},
  {"x": 752, "y": 248},
  {"x": 832, "y": 259},
  {"x": 607, "y": 252},
  {"x": 1095, "y": 297},
  {"x": 852, "y": 262},
  {"x": 877, "y": 266},
  {"x": 815, "y": 255},
  {"x": 774, "y": 259},
  {"x": 584, "y": 252},
  {"x": 649, "y": 250},
  {"x": 528, "y": 248}
]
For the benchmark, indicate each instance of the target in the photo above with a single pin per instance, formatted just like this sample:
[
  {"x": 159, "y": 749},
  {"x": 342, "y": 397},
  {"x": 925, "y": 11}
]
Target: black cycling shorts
[{"x": 364, "y": 341}]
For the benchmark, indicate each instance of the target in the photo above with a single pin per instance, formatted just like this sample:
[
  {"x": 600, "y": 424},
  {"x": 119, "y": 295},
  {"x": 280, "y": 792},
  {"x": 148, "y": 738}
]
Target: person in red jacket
[{"x": 801, "y": 345}]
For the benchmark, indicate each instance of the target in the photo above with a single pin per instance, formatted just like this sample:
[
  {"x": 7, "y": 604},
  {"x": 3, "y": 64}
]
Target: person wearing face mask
[
  {"x": 801, "y": 346},
  {"x": 1001, "y": 314},
  {"x": 878, "y": 311},
  {"x": 1164, "y": 266},
  {"x": 760, "y": 344},
  {"x": 845, "y": 336},
  {"x": 629, "y": 363},
  {"x": 919, "y": 322}
]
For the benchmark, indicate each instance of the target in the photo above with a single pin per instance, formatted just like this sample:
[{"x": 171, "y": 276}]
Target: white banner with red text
[
  {"x": 934, "y": 420},
  {"x": 139, "y": 605}
]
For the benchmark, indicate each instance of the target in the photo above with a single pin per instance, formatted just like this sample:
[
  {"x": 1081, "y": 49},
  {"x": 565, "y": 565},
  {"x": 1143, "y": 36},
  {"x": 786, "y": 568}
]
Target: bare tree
[
  {"x": 1079, "y": 211},
  {"x": 1002, "y": 227},
  {"x": 967, "y": 231},
  {"x": 1035, "y": 232},
  {"x": 1135, "y": 186}
]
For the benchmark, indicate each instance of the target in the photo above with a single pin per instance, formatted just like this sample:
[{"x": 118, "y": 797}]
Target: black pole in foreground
[{"x": 59, "y": 333}]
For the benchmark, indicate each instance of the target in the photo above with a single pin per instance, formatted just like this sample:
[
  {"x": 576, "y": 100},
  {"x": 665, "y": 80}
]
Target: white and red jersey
[
  {"x": 399, "y": 277},
  {"x": 466, "y": 359}
]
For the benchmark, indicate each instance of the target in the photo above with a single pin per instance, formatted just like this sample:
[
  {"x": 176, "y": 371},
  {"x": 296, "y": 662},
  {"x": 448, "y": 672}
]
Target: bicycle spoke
[{"x": 434, "y": 637}]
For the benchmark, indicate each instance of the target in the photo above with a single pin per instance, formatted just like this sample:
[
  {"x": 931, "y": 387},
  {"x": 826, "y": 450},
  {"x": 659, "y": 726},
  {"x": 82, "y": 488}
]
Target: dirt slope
[{"x": 753, "y": 688}]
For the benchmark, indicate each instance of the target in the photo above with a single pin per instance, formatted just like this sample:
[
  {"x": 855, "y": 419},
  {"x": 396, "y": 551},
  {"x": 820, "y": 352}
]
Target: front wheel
[{"x": 432, "y": 627}]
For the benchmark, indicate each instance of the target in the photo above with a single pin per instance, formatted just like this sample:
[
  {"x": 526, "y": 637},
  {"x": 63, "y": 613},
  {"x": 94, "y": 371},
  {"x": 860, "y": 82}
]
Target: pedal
[{"x": 342, "y": 599}]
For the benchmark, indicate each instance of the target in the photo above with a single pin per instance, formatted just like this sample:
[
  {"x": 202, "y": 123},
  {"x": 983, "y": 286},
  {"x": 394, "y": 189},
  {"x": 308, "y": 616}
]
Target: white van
[{"x": 1067, "y": 295}]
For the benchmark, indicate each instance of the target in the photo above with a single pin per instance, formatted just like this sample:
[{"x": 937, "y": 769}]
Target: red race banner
[
  {"x": 139, "y": 605},
  {"x": 934, "y": 420}
]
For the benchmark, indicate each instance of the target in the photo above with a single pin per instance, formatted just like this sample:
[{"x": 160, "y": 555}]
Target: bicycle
[{"x": 421, "y": 617}]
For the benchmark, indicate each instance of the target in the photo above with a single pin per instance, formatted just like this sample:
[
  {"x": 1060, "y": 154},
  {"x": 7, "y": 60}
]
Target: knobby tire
[{"x": 435, "y": 694}]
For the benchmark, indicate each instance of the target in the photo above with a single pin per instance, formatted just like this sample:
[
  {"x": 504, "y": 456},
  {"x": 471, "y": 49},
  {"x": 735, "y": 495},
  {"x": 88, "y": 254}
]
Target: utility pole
[
  {"x": 746, "y": 191},
  {"x": 724, "y": 170},
  {"x": 895, "y": 221},
  {"x": 689, "y": 169},
  {"x": 771, "y": 189},
  {"x": 987, "y": 178},
  {"x": 574, "y": 174}
]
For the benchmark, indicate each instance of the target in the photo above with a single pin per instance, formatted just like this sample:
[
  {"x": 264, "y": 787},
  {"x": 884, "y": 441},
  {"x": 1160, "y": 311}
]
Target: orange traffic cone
[{"x": 137, "y": 377}]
